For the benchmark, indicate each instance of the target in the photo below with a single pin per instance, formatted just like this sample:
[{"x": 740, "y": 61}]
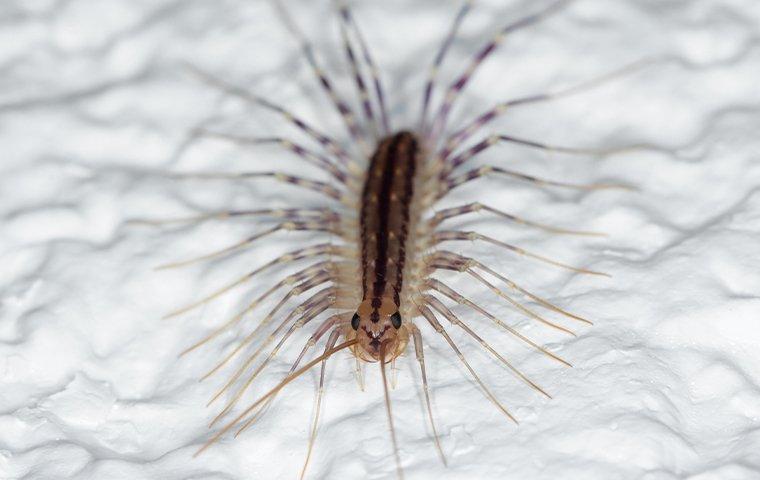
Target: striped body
[{"x": 385, "y": 224}]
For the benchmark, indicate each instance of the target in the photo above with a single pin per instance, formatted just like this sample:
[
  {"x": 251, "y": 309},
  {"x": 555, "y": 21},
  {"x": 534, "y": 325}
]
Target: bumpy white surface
[{"x": 95, "y": 103}]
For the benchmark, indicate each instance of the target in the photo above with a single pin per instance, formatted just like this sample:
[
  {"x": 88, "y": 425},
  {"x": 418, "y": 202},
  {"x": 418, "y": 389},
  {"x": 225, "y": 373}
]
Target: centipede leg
[
  {"x": 418, "y": 350},
  {"x": 311, "y": 272},
  {"x": 347, "y": 17},
  {"x": 295, "y": 214},
  {"x": 430, "y": 317},
  {"x": 459, "y": 136},
  {"x": 318, "y": 400},
  {"x": 303, "y": 153},
  {"x": 461, "y": 299},
  {"x": 464, "y": 264},
  {"x": 330, "y": 323},
  {"x": 438, "y": 306},
  {"x": 325, "y": 141},
  {"x": 489, "y": 170},
  {"x": 473, "y": 207},
  {"x": 314, "y": 305},
  {"x": 445, "y": 236},
  {"x": 456, "y": 87}
]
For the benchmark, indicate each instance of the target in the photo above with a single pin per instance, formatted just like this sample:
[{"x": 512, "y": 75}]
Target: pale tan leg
[
  {"x": 295, "y": 214},
  {"x": 430, "y": 317},
  {"x": 450, "y": 293},
  {"x": 488, "y": 170},
  {"x": 447, "y": 236},
  {"x": 313, "y": 306},
  {"x": 318, "y": 401},
  {"x": 417, "y": 335},
  {"x": 448, "y": 213},
  {"x": 466, "y": 264},
  {"x": 285, "y": 226},
  {"x": 449, "y": 315},
  {"x": 435, "y": 284}
]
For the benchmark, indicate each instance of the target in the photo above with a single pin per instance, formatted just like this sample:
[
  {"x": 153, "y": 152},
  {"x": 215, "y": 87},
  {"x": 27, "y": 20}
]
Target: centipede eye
[
  {"x": 396, "y": 320},
  {"x": 355, "y": 321}
]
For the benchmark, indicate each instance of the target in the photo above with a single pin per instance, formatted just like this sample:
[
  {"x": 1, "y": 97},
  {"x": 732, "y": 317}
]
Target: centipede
[{"x": 371, "y": 288}]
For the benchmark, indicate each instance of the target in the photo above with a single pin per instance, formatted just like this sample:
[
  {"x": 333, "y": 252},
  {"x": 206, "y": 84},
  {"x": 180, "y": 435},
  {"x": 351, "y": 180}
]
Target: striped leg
[
  {"x": 349, "y": 119},
  {"x": 319, "y": 187},
  {"x": 451, "y": 261},
  {"x": 464, "y": 133},
  {"x": 318, "y": 400},
  {"x": 309, "y": 309},
  {"x": 430, "y": 317},
  {"x": 308, "y": 284},
  {"x": 300, "y": 254},
  {"x": 448, "y": 213},
  {"x": 433, "y": 73},
  {"x": 361, "y": 87},
  {"x": 439, "y": 307},
  {"x": 312, "y": 226},
  {"x": 307, "y": 274},
  {"x": 327, "y": 142},
  {"x": 345, "y": 13},
  {"x": 417, "y": 335},
  {"x": 442, "y": 265},
  {"x": 300, "y": 151},
  {"x": 447, "y": 236},
  {"x": 496, "y": 139},
  {"x": 295, "y": 214},
  {"x": 462, "y": 300},
  {"x": 488, "y": 170},
  {"x": 455, "y": 89},
  {"x": 327, "y": 325}
]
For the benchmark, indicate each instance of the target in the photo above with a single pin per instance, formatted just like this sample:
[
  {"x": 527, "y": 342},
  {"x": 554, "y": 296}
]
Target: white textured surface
[{"x": 94, "y": 101}]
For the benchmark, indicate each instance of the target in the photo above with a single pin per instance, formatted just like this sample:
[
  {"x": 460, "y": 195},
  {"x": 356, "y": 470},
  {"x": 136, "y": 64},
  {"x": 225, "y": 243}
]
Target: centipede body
[{"x": 372, "y": 287}]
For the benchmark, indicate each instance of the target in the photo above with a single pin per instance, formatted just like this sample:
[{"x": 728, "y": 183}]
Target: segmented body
[{"x": 376, "y": 279}]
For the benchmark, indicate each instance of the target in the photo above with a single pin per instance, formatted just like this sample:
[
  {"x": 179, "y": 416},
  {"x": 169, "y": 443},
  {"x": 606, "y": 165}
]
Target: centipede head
[{"x": 378, "y": 322}]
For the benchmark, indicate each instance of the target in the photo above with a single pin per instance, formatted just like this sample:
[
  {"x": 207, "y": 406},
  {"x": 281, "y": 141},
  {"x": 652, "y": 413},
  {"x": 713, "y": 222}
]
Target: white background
[{"x": 95, "y": 103}]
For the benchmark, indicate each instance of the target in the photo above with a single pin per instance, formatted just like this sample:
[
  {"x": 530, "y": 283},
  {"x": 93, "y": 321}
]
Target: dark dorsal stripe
[{"x": 386, "y": 199}]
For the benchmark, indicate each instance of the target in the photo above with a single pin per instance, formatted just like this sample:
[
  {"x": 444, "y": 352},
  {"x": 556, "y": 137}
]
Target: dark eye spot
[
  {"x": 355, "y": 321},
  {"x": 396, "y": 320}
]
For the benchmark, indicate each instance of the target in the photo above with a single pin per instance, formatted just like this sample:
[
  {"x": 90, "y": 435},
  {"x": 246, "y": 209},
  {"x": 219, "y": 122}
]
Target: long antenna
[
  {"x": 388, "y": 410},
  {"x": 272, "y": 392}
]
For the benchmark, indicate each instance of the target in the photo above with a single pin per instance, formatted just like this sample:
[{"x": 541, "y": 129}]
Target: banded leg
[
  {"x": 438, "y": 60},
  {"x": 318, "y": 400},
  {"x": 462, "y": 300},
  {"x": 307, "y": 274},
  {"x": 253, "y": 406},
  {"x": 458, "y": 137},
  {"x": 327, "y": 325},
  {"x": 314, "y": 185},
  {"x": 446, "y": 236},
  {"x": 447, "y": 260},
  {"x": 295, "y": 214},
  {"x": 361, "y": 87},
  {"x": 345, "y": 112},
  {"x": 430, "y": 317},
  {"x": 310, "y": 313},
  {"x": 439, "y": 307},
  {"x": 419, "y": 353},
  {"x": 488, "y": 170},
  {"x": 300, "y": 151},
  {"x": 473, "y": 207},
  {"x": 300, "y": 254},
  {"x": 313, "y": 226},
  {"x": 345, "y": 13},
  {"x": 325, "y": 141},
  {"x": 305, "y": 308},
  {"x": 492, "y": 140},
  {"x": 456, "y": 87}
]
